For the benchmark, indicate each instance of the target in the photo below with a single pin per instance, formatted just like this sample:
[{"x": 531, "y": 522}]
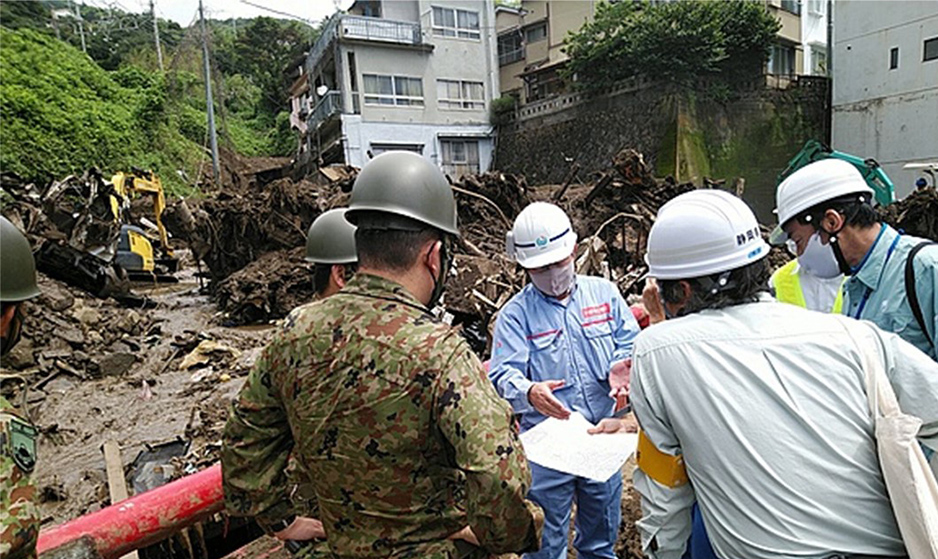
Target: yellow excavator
[{"x": 144, "y": 258}]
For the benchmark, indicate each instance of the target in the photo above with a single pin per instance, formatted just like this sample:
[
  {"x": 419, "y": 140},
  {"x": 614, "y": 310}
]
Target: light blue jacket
[
  {"x": 538, "y": 338},
  {"x": 880, "y": 281}
]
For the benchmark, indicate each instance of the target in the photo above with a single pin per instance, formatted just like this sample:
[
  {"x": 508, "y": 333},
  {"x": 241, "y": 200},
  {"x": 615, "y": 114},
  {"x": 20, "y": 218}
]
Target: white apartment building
[
  {"x": 814, "y": 37},
  {"x": 417, "y": 75},
  {"x": 885, "y": 80}
]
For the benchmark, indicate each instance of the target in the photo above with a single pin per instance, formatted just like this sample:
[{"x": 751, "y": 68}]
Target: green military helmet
[
  {"x": 17, "y": 266},
  {"x": 331, "y": 239},
  {"x": 405, "y": 185}
]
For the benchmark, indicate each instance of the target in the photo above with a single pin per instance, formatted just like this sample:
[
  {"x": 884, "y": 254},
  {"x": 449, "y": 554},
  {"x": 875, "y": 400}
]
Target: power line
[{"x": 309, "y": 22}]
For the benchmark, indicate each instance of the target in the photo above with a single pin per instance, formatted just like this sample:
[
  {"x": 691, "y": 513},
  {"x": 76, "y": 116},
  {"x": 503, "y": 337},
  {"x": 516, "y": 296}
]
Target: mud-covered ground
[{"x": 133, "y": 390}]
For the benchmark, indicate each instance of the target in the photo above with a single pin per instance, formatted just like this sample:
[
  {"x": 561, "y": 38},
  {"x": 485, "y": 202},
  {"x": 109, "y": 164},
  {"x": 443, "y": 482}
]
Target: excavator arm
[{"x": 883, "y": 189}]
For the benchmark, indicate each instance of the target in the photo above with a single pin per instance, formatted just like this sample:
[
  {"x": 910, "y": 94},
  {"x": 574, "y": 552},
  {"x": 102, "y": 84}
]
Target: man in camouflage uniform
[
  {"x": 330, "y": 248},
  {"x": 410, "y": 450},
  {"x": 19, "y": 511}
]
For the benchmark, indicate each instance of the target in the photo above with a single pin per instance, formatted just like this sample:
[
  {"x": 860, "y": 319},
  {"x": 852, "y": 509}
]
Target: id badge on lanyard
[{"x": 868, "y": 292}]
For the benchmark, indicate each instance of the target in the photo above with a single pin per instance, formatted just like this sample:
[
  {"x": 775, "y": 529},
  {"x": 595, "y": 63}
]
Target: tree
[{"x": 679, "y": 41}]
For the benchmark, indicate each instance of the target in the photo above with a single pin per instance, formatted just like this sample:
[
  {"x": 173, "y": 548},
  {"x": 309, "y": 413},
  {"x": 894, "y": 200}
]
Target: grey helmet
[
  {"x": 331, "y": 239},
  {"x": 398, "y": 188},
  {"x": 17, "y": 266}
]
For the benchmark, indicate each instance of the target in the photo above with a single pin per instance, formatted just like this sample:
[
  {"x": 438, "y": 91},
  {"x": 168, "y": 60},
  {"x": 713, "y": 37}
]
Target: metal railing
[
  {"x": 329, "y": 105},
  {"x": 384, "y": 30},
  {"x": 366, "y": 29}
]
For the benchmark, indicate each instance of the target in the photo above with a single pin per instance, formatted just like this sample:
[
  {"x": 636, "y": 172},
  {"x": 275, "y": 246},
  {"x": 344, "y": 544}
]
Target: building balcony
[
  {"x": 328, "y": 106},
  {"x": 360, "y": 28}
]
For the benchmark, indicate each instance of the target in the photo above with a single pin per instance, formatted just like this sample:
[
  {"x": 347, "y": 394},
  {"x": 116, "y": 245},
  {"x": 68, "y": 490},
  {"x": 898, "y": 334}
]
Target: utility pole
[
  {"x": 81, "y": 27},
  {"x": 156, "y": 36},
  {"x": 208, "y": 96}
]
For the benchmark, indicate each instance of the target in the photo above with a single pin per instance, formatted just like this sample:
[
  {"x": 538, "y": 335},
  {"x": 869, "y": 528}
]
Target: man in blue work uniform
[
  {"x": 827, "y": 204},
  {"x": 555, "y": 344}
]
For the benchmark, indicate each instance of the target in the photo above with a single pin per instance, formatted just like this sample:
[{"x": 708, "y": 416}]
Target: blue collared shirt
[
  {"x": 539, "y": 338},
  {"x": 881, "y": 274}
]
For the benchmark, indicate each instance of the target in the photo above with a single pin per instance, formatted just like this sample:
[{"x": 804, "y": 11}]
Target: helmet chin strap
[{"x": 845, "y": 268}]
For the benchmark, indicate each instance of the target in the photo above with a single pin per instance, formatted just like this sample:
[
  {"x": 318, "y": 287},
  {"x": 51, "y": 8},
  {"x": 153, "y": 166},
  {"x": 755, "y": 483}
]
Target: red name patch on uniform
[
  {"x": 542, "y": 334},
  {"x": 596, "y": 311},
  {"x": 597, "y": 314}
]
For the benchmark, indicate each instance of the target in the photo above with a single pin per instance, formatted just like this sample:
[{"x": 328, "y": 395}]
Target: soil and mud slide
[
  {"x": 90, "y": 371},
  {"x": 916, "y": 214}
]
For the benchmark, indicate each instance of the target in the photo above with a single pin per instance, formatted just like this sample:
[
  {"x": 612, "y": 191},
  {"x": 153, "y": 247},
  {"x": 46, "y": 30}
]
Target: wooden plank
[{"x": 116, "y": 483}]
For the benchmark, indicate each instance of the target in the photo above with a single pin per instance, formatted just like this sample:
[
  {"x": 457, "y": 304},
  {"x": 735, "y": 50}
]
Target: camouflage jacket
[
  {"x": 19, "y": 510},
  {"x": 402, "y": 435}
]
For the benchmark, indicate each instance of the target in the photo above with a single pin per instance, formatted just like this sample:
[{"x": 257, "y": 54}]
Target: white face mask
[
  {"x": 818, "y": 259},
  {"x": 554, "y": 281}
]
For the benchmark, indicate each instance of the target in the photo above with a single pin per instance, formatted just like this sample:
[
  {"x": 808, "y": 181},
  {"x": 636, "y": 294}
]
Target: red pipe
[{"x": 143, "y": 519}]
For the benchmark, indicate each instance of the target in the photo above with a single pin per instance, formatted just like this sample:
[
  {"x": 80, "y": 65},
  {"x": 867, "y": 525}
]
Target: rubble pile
[
  {"x": 270, "y": 287},
  {"x": 916, "y": 214},
  {"x": 71, "y": 226},
  {"x": 231, "y": 229},
  {"x": 69, "y": 337},
  {"x": 251, "y": 237}
]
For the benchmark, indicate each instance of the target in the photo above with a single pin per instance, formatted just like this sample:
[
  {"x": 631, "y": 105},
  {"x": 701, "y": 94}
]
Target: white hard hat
[
  {"x": 542, "y": 235},
  {"x": 701, "y": 233},
  {"x": 812, "y": 184}
]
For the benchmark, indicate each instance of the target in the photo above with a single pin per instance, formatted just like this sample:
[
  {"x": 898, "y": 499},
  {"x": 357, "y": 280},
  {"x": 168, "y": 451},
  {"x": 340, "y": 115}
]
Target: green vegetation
[
  {"x": 62, "y": 113},
  {"x": 64, "y": 110},
  {"x": 501, "y": 110},
  {"x": 726, "y": 42}
]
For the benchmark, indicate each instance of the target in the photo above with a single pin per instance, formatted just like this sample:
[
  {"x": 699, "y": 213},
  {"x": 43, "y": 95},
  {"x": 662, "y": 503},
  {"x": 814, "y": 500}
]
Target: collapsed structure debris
[
  {"x": 71, "y": 224},
  {"x": 916, "y": 214}
]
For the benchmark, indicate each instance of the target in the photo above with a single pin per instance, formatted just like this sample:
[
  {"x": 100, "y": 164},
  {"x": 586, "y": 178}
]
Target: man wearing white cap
[
  {"x": 556, "y": 343},
  {"x": 758, "y": 410},
  {"x": 825, "y": 212}
]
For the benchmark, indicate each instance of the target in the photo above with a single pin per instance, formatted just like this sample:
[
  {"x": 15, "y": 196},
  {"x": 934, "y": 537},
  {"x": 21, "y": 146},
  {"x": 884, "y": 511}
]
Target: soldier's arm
[
  {"x": 479, "y": 426},
  {"x": 255, "y": 448},
  {"x": 19, "y": 508},
  {"x": 510, "y": 359}
]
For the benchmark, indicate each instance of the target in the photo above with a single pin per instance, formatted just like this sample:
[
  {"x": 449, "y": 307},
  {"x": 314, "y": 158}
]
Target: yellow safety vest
[{"x": 787, "y": 285}]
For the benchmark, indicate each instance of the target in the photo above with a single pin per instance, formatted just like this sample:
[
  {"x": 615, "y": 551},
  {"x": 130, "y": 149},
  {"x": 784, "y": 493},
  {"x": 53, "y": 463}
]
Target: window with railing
[
  {"x": 455, "y": 94},
  {"x": 510, "y": 47},
  {"x": 392, "y": 90},
  {"x": 452, "y": 22}
]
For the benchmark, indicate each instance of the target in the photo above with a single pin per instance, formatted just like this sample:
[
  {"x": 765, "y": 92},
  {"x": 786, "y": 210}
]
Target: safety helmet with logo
[
  {"x": 331, "y": 239},
  {"x": 813, "y": 184},
  {"x": 402, "y": 190},
  {"x": 542, "y": 235},
  {"x": 17, "y": 266},
  {"x": 702, "y": 233}
]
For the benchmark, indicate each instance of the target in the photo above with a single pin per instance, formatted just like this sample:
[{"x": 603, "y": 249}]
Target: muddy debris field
[{"x": 154, "y": 366}]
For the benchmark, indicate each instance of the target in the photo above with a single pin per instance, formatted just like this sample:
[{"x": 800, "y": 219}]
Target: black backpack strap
[{"x": 910, "y": 288}]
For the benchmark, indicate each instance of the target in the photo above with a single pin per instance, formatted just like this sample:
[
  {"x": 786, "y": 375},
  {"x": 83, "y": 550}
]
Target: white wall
[
  {"x": 360, "y": 134},
  {"x": 890, "y": 115}
]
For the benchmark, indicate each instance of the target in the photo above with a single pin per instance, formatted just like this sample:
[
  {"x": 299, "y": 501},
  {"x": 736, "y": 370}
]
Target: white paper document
[{"x": 565, "y": 446}]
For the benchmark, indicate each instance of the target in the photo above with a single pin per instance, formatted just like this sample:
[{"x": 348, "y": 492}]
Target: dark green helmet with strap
[
  {"x": 402, "y": 190},
  {"x": 17, "y": 266},
  {"x": 331, "y": 239}
]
